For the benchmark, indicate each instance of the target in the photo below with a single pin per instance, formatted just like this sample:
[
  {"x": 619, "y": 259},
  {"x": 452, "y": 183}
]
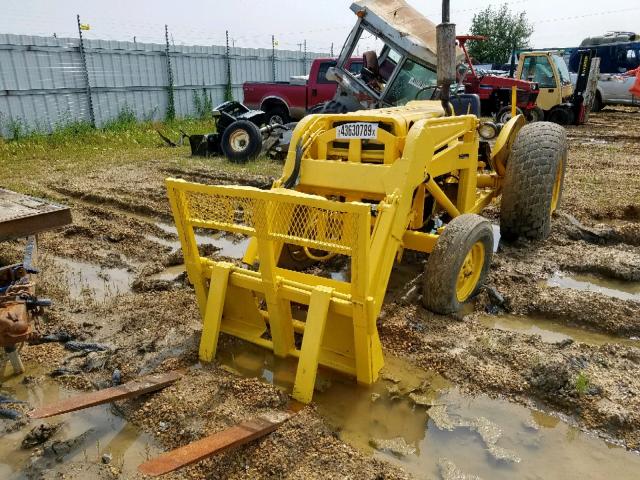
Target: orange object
[
  {"x": 206, "y": 447},
  {"x": 635, "y": 88},
  {"x": 135, "y": 388},
  {"x": 15, "y": 326}
]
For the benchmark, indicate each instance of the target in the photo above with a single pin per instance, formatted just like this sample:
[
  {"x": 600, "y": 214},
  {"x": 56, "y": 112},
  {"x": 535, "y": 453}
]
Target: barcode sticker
[{"x": 357, "y": 130}]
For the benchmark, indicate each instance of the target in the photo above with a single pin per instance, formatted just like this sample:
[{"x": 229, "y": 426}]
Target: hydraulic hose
[{"x": 292, "y": 180}]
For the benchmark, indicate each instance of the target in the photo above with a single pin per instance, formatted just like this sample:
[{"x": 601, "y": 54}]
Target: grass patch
[
  {"x": 125, "y": 120},
  {"x": 75, "y": 150},
  {"x": 582, "y": 383}
]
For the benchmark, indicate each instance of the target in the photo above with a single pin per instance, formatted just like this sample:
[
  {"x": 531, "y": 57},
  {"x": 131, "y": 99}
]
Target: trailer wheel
[
  {"x": 533, "y": 181},
  {"x": 504, "y": 114},
  {"x": 459, "y": 263},
  {"x": 241, "y": 141}
]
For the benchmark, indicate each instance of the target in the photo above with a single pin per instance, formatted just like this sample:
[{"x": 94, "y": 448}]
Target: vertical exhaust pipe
[{"x": 446, "y": 46}]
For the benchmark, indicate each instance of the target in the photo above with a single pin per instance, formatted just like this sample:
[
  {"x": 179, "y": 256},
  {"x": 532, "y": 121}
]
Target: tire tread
[{"x": 529, "y": 180}]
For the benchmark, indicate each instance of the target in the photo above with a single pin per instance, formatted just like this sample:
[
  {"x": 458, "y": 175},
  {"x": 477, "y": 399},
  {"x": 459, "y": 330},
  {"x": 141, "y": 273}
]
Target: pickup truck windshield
[{"x": 411, "y": 78}]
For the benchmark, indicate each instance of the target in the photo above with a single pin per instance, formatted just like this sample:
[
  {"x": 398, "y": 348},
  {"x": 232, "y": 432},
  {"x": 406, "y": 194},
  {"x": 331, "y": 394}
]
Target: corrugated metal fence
[{"x": 43, "y": 83}]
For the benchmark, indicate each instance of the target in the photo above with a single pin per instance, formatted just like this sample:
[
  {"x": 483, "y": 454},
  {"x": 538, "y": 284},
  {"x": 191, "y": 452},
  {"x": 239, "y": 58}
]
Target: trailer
[{"x": 22, "y": 216}]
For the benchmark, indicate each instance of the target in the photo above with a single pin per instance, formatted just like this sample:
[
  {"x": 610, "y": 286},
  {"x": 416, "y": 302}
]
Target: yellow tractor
[{"x": 365, "y": 186}]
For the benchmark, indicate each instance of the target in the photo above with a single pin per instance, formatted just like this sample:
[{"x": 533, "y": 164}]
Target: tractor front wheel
[
  {"x": 533, "y": 181},
  {"x": 459, "y": 263}
]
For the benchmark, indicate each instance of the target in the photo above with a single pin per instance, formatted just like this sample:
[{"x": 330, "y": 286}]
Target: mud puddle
[
  {"x": 551, "y": 331},
  {"x": 592, "y": 283},
  {"x": 169, "y": 273},
  {"x": 417, "y": 420},
  {"x": 97, "y": 431},
  {"x": 229, "y": 246},
  {"x": 88, "y": 279}
]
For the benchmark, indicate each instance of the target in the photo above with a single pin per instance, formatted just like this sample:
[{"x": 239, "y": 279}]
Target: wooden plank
[
  {"x": 206, "y": 447},
  {"x": 22, "y": 215},
  {"x": 147, "y": 384}
]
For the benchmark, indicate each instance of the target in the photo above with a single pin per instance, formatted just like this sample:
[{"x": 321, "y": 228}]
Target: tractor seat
[{"x": 466, "y": 103}]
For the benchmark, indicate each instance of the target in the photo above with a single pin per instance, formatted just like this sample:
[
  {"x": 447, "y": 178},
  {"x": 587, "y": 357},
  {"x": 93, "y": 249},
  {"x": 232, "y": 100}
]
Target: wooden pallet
[{"x": 22, "y": 215}]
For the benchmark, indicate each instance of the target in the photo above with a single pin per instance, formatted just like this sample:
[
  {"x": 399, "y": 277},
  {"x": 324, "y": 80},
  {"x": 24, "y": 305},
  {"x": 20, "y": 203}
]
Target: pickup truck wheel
[
  {"x": 241, "y": 141},
  {"x": 277, "y": 115}
]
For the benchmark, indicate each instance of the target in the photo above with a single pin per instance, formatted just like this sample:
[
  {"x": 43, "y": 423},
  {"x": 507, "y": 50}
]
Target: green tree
[{"x": 504, "y": 31}]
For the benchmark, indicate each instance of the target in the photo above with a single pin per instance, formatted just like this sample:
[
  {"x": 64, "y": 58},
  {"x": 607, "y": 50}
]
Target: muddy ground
[{"x": 120, "y": 223}]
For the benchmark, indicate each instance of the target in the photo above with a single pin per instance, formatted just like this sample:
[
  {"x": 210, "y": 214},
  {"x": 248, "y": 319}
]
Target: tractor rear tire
[
  {"x": 330, "y": 106},
  {"x": 533, "y": 181},
  {"x": 241, "y": 141},
  {"x": 458, "y": 265}
]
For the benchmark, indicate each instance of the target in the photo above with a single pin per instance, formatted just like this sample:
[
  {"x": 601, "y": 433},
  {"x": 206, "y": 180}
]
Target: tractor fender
[{"x": 504, "y": 142}]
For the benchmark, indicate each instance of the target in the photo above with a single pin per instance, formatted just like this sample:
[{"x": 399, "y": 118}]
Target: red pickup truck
[{"x": 286, "y": 101}]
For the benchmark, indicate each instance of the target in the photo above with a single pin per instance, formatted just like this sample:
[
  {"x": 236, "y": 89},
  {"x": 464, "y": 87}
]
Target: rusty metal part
[
  {"x": 11, "y": 273},
  {"x": 147, "y": 384},
  {"x": 193, "y": 452},
  {"x": 21, "y": 215},
  {"x": 15, "y": 326},
  {"x": 15, "y": 317}
]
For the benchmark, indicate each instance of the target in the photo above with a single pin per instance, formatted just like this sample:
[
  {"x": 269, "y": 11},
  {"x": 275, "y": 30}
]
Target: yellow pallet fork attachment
[
  {"x": 339, "y": 331},
  {"x": 363, "y": 199}
]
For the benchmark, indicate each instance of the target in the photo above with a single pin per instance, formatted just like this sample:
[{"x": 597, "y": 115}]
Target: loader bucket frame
[{"x": 232, "y": 299}]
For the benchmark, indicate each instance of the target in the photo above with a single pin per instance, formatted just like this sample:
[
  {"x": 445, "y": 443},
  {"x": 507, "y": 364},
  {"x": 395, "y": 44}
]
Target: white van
[{"x": 618, "y": 52}]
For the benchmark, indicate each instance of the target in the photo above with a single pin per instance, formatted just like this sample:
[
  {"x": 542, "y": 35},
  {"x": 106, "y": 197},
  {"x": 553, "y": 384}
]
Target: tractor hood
[{"x": 401, "y": 24}]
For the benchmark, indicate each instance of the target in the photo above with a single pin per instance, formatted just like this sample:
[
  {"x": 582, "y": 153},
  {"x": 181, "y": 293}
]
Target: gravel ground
[{"x": 119, "y": 214}]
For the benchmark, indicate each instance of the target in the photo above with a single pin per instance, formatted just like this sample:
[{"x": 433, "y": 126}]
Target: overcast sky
[{"x": 252, "y": 22}]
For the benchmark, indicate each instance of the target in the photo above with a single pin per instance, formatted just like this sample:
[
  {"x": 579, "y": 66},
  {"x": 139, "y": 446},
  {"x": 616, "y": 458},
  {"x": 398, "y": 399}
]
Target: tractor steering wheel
[{"x": 423, "y": 89}]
